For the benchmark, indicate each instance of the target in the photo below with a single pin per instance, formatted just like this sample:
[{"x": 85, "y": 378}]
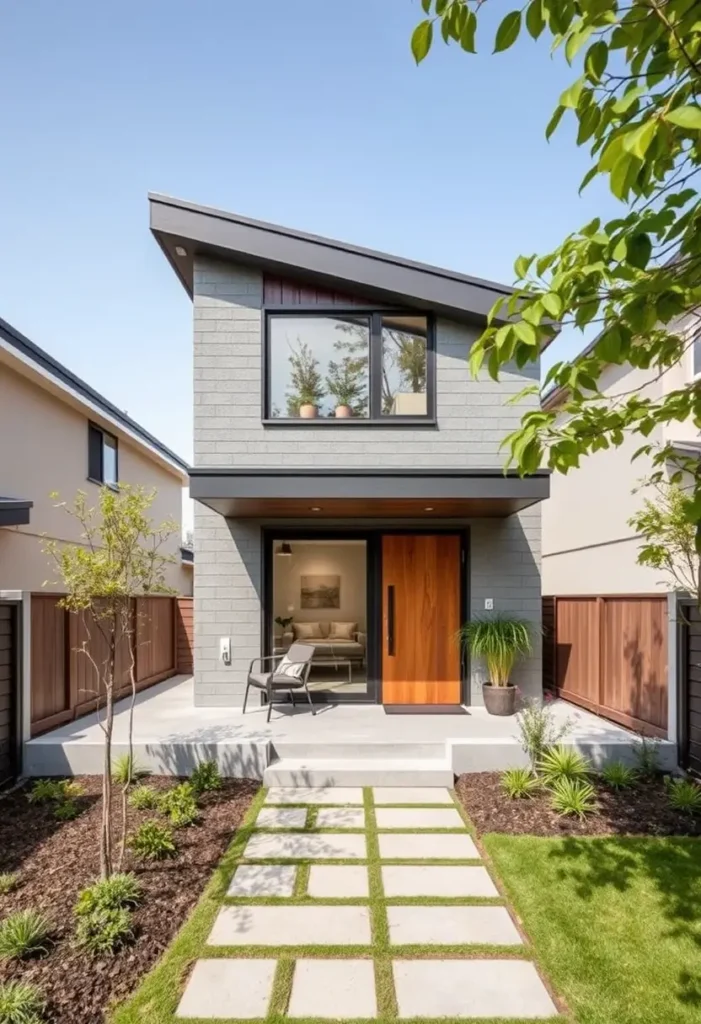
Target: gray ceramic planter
[{"x": 499, "y": 700}]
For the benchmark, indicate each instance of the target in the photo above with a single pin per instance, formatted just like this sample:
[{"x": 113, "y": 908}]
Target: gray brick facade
[{"x": 473, "y": 418}]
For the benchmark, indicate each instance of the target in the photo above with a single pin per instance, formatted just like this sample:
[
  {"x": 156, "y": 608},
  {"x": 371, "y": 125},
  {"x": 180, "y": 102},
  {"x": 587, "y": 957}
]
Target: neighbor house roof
[
  {"x": 20, "y": 353},
  {"x": 185, "y": 230}
]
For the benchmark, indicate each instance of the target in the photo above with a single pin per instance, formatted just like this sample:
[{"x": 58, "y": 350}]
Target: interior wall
[{"x": 347, "y": 559}]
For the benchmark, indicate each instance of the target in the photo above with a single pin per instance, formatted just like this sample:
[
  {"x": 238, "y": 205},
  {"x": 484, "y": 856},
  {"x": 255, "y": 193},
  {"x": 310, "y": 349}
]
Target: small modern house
[{"x": 348, "y": 481}]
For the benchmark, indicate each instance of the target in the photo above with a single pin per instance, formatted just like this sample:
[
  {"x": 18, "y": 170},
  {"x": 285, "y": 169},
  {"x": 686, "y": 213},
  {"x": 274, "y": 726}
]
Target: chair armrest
[
  {"x": 267, "y": 657},
  {"x": 361, "y": 638}
]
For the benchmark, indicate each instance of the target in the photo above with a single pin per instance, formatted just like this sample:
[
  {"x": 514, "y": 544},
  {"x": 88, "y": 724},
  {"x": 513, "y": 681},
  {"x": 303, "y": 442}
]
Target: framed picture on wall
[{"x": 320, "y": 592}]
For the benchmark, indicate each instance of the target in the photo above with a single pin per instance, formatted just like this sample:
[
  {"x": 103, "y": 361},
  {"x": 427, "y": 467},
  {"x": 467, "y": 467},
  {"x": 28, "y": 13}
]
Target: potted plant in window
[
  {"x": 306, "y": 388},
  {"x": 500, "y": 640},
  {"x": 346, "y": 383}
]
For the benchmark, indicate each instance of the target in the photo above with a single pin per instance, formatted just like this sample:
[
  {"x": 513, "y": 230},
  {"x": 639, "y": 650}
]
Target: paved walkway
[{"x": 363, "y": 905}]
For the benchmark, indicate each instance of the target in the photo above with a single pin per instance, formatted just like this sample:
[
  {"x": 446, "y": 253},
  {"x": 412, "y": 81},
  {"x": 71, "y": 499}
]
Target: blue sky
[{"x": 311, "y": 114}]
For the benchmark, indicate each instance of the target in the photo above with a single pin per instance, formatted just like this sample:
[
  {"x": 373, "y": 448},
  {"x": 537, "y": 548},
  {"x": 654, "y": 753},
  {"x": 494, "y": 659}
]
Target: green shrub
[
  {"x": 9, "y": 880},
  {"x": 619, "y": 775},
  {"x": 519, "y": 782},
  {"x": 537, "y": 729},
  {"x": 647, "y": 755},
  {"x": 562, "y": 763},
  {"x": 180, "y": 805},
  {"x": 121, "y": 890},
  {"x": 573, "y": 796},
  {"x": 23, "y": 934},
  {"x": 66, "y": 811},
  {"x": 143, "y": 798},
  {"x": 684, "y": 795},
  {"x": 206, "y": 777},
  {"x": 153, "y": 841},
  {"x": 126, "y": 769},
  {"x": 20, "y": 1003},
  {"x": 104, "y": 930},
  {"x": 71, "y": 790},
  {"x": 46, "y": 791}
]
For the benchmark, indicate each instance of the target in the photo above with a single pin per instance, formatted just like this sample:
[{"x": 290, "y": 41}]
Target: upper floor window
[
  {"x": 353, "y": 366},
  {"x": 102, "y": 456}
]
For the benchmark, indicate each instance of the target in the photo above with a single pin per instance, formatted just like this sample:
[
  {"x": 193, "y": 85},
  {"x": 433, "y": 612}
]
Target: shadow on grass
[{"x": 669, "y": 868}]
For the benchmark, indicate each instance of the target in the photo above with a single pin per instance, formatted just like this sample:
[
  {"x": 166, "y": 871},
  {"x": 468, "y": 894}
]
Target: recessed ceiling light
[
  {"x": 179, "y": 251},
  {"x": 429, "y": 508},
  {"x": 315, "y": 508}
]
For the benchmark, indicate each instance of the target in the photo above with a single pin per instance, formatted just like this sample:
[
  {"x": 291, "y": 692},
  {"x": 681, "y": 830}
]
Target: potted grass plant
[{"x": 500, "y": 640}]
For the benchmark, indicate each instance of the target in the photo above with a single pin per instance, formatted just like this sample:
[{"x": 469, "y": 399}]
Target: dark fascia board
[
  {"x": 366, "y": 483},
  {"x": 203, "y": 230},
  {"x": 62, "y": 374},
  {"x": 15, "y": 511}
]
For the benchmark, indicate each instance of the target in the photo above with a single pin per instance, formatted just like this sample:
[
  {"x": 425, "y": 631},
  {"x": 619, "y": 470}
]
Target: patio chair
[{"x": 290, "y": 674}]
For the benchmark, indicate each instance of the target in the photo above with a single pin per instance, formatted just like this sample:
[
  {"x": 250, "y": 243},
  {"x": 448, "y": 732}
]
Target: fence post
[{"x": 601, "y": 637}]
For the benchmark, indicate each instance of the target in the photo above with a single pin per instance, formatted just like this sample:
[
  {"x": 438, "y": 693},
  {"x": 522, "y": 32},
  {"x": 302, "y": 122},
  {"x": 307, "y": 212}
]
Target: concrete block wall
[{"x": 473, "y": 417}]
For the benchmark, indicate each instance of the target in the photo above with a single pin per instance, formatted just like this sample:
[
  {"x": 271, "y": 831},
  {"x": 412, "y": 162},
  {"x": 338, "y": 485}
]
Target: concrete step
[
  {"x": 388, "y": 771},
  {"x": 359, "y": 750}
]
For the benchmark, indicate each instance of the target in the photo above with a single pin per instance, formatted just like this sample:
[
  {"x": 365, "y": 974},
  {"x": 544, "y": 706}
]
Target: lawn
[{"x": 615, "y": 922}]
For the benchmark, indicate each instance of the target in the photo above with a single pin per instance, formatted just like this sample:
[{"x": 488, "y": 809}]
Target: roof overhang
[
  {"x": 372, "y": 493},
  {"x": 15, "y": 511},
  {"x": 204, "y": 231}
]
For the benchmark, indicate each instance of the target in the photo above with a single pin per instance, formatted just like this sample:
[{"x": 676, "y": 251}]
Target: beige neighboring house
[
  {"x": 58, "y": 434},
  {"x": 588, "y": 546}
]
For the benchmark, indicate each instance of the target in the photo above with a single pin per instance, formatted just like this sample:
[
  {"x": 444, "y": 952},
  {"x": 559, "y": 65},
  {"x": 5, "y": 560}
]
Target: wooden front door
[{"x": 420, "y": 617}]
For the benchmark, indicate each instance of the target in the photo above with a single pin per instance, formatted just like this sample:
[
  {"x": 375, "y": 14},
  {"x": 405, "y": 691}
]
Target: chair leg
[
  {"x": 292, "y": 697},
  {"x": 309, "y": 698},
  {"x": 248, "y": 687},
  {"x": 270, "y": 702}
]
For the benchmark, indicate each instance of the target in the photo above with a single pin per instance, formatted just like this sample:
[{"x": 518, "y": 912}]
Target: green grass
[{"x": 615, "y": 923}]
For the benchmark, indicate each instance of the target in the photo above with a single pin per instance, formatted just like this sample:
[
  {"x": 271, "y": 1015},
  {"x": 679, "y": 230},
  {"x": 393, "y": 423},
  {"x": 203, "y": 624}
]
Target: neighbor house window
[
  {"x": 349, "y": 366},
  {"x": 102, "y": 456}
]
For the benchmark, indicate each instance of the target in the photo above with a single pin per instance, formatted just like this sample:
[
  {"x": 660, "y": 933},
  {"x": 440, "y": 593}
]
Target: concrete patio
[{"x": 342, "y": 745}]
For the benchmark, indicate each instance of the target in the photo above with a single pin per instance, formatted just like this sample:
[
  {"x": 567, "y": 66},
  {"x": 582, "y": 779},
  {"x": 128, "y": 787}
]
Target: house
[
  {"x": 58, "y": 434},
  {"x": 614, "y": 624},
  {"x": 348, "y": 478}
]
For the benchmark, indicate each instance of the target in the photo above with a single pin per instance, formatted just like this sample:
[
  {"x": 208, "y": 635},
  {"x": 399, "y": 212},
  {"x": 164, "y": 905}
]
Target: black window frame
[
  {"x": 96, "y": 456},
  {"x": 375, "y": 417}
]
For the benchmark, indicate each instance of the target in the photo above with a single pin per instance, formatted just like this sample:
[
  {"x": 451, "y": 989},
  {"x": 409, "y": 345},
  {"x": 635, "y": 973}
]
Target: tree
[
  {"x": 120, "y": 557},
  {"x": 347, "y": 383},
  {"x": 637, "y": 278},
  {"x": 306, "y": 384},
  {"x": 669, "y": 536}
]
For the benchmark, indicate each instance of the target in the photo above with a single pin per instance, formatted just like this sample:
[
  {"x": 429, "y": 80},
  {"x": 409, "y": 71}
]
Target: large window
[
  {"x": 102, "y": 456},
  {"x": 348, "y": 367}
]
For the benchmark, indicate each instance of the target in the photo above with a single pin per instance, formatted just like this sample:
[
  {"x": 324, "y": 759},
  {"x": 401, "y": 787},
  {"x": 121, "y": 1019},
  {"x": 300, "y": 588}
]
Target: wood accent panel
[
  {"x": 8, "y": 693},
  {"x": 184, "y": 633},
  {"x": 609, "y": 656},
  {"x": 155, "y": 638},
  {"x": 50, "y": 695},
  {"x": 362, "y": 508},
  {"x": 690, "y": 754},
  {"x": 425, "y": 573},
  {"x": 280, "y": 291}
]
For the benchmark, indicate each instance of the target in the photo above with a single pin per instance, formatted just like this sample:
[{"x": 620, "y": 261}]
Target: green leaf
[
  {"x": 595, "y": 60},
  {"x": 421, "y": 40},
  {"x": 589, "y": 176},
  {"x": 426, "y": 4},
  {"x": 588, "y": 123},
  {"x": 522, "y": 265},
  {"x": 552, "y": 303},
  {"x": 638, "y": 140},
  {"x": 628, "y": 99},
  {"x": 570, "y": 97},
  {"x": 639, "y": 250},
  {"x": 508, "y": 32},
  {"x": 467, "y": 36},
  {"x": 686, "y": 117},
  {"x": 535, "y": 21},
  {"x": 608, "y": 347},
  {"x": 554, "y": 121},
  {"x": 440, "y": 7},
  {"x": 526, "y": 333}
]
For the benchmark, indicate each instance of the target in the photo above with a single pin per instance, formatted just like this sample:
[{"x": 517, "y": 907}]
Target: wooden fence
[
  {"x": 63, "y": 683},
  {"x": 608, "y": 654},
  {"x": 689, "y": 684}
]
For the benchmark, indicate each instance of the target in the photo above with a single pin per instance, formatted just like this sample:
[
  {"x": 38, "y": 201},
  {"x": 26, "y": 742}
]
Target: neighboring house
[
  {"x": 348, "y": 479},
  {"x": 58, "y": 434}
]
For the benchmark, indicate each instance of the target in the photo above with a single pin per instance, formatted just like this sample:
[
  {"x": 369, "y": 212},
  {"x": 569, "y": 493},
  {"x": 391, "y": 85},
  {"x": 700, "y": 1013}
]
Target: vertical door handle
[{"x": 390, "y": 619}]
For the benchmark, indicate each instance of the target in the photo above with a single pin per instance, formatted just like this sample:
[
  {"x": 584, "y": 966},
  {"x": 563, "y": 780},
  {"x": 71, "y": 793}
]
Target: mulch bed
[
  {"x": 641, "y": 810},
  {"x": 58, "y": 859}
]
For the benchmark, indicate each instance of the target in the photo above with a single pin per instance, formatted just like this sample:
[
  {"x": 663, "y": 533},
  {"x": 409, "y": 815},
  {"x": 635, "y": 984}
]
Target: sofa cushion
[
  {"x": 343, "y": 630},
  {"x": 307, "y": 631}
]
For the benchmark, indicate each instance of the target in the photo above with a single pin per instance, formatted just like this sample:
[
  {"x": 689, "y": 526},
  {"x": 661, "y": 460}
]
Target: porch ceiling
[{"x": 373, "y": 493}]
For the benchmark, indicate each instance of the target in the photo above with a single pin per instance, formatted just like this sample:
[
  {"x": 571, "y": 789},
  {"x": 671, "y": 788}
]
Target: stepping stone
[
  {"x": 282, "y": 817},
  {"x": 306, "y": 846},
  {"x": 322, "y": 795},
  {"x": 291, "y": 926},
  {"x": 471, "y": 988},
  {"x": 451, "y": 926},
  {"x": 263, "y": 880},
  {"x": 338, "y": 881},
  {"x": 426, "y": 846},
  {"x": 320, "y": 988},
  {"x": 234, "y": 989},
  {"x": 341, "y": 817},
  {"x": 436, "y": 880},
  {"x": 418, "y": 817},
  {"x": 411, "y": 795}
]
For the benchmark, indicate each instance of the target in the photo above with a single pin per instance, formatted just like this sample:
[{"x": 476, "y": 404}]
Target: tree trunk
[{"x": 131, "y": 636}]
